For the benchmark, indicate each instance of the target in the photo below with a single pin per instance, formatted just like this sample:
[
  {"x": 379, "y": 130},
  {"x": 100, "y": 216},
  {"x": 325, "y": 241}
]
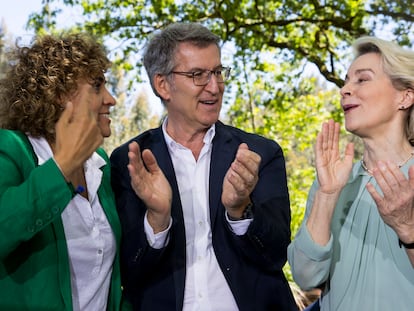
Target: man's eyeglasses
[{"x": 203, "y": 77}]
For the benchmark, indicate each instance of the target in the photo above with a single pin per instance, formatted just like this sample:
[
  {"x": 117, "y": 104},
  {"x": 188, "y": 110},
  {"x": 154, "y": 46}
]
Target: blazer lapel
[
  {"x": 108, "y": 205},
  {"x": 159, "y": 148},
  {"x": 221, "y": 158}
]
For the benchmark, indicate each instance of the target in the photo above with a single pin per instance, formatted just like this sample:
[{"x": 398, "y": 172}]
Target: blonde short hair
[{"x": 398, "y": 64}]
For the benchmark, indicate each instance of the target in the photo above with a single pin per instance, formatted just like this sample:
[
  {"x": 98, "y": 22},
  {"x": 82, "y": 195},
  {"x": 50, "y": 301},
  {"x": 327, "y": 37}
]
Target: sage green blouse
[{"x": 362, "y": 266}]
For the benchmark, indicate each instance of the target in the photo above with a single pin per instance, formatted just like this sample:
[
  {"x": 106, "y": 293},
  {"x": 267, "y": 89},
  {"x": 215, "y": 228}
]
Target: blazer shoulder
[
  {"x": 13, "y": 139},
  {"x": 144, "y": 139},
  {"x": 16, "y": 144},
  {"x": 150, "y": 137},
  {"x": 253, "y": 140}
]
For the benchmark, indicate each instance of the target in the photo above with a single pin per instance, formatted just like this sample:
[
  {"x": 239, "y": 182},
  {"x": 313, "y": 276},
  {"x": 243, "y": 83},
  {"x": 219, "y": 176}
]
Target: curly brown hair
[{"x": 40, "y": 78}]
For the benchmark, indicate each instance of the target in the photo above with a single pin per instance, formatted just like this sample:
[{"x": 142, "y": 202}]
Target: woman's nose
[{"x": 109, "y": 99}]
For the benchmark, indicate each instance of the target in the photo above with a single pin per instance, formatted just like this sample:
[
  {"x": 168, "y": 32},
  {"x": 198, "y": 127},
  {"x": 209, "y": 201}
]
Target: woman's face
[
  {"x": 369, "y": 100},
  {"x": 99, "y": 100}
]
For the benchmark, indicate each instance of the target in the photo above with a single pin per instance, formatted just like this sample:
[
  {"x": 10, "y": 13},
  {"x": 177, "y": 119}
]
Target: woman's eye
[
  {"x": 97, "y": 84},
  {"x": 362, "y": 79}
]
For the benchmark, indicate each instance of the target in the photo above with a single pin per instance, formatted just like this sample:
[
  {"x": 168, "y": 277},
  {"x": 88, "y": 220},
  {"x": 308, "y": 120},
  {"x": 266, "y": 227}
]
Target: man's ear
[{"x": 162, "y": 86}]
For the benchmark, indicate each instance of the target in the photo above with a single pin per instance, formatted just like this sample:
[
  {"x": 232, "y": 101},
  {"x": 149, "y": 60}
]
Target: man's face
[{"x": 191, "y": 106}]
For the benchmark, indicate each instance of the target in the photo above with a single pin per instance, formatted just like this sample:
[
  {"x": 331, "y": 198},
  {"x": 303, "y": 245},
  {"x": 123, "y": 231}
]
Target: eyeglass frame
[{"x": 191, "y": 74}]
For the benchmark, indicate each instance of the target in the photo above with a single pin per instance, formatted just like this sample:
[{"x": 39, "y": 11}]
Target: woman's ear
[
  {"x": 162, "y": 86},
  {"x": 407, "y": 100},
  {"x": 62, "y": 100}
]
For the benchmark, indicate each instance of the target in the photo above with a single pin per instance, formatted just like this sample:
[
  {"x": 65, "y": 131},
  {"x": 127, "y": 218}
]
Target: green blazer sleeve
[
  {"x": 27, "y": 202},
  {"x": 34, "y": 266}
]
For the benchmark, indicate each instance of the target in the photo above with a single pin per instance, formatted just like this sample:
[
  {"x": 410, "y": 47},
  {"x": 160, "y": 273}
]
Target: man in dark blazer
[{"x": 204, "y": 207}]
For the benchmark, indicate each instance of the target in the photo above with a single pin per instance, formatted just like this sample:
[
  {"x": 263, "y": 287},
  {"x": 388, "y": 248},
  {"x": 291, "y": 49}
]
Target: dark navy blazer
[{"x": 252, "y": 263}]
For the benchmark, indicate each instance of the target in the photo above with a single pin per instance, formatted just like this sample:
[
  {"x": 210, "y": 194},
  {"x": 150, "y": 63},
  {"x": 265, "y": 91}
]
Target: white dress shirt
[
  {"x": 89, "y": 237},
  {"x": 206, "y": 289}
]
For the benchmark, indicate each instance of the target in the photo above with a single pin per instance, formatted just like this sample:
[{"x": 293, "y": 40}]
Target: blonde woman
[{"x": 357, "y": 239}]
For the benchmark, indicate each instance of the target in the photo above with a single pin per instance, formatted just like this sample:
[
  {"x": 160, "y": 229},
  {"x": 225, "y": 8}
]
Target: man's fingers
[
  {"x": 243, "y": 146},
  {"x": 134, "y": 155},
  {"x": 150, "y": 161},
  {"x": 134, "y": 147}
]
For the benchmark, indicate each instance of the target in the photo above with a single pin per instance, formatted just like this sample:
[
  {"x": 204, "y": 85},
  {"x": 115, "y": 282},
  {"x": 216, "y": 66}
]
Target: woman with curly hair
[{"x": 59, "y": 227}]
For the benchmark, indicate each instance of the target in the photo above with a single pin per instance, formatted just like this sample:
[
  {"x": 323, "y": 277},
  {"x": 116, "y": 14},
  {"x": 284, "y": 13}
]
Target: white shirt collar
[
  {"x": 171, "y": 143},
  {"x": 43, "y": 151}
]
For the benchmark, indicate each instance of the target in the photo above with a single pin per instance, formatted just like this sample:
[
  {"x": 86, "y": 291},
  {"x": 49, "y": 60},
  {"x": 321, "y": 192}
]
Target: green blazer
[{"x": 34, "y": 265}]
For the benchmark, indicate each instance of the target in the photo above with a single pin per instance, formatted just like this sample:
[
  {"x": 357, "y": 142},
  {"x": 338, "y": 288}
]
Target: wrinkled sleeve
[
  {"x": 31, "y": 197},
  {"x": 309, "y": 262}
]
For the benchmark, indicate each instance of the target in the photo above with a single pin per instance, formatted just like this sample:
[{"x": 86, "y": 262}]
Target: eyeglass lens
[{"x": 203, "y": 77}]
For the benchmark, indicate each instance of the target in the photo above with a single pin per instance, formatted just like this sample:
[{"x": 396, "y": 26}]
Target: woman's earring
[{"x": 401, "y": 108}]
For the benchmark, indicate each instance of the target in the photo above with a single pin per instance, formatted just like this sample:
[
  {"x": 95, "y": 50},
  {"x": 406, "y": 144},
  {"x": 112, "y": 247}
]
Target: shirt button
[{"x": 99, "y": 251}]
